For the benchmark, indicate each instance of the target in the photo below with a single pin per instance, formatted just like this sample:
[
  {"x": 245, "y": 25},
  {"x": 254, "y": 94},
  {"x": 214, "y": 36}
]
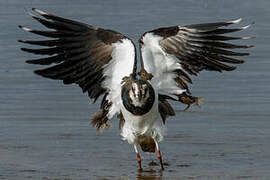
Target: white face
[{"x": 139, "y": 93}]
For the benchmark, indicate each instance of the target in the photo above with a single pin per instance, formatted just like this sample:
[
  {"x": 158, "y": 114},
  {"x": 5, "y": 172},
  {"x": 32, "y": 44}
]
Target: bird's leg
[
  {"x": 138, "y": 157},
  {"x": 159, "y": 155}
]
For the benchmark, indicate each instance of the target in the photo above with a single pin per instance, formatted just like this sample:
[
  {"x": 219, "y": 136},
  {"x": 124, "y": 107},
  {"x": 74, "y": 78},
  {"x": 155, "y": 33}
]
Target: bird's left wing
[
  {"x": 171, "y": 54},
  {"x": 94, "y": 58}
]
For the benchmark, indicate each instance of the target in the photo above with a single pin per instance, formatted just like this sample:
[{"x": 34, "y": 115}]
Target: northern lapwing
[{"x": 103, "y": 62}]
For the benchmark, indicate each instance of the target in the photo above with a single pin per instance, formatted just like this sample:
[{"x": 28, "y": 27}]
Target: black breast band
[{"x": 138, "y": 110}]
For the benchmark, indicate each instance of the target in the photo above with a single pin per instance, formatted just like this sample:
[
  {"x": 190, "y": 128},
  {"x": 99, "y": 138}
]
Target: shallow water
[{"x": 44, "y": 126}]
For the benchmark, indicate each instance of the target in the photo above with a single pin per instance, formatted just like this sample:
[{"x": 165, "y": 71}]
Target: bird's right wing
[
  {"x": 171, "y": 54},
  {"x": 94, "y": 58}
]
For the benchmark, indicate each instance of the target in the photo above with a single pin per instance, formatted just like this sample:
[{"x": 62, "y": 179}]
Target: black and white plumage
[{"x": 104, "y": 63}]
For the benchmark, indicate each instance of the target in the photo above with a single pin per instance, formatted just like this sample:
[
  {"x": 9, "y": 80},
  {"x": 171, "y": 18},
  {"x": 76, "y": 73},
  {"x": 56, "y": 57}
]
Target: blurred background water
[{"x": 44, "y": 125}]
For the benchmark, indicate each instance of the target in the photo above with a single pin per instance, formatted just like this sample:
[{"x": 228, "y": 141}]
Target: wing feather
[
  {"x": 85, "y": 55},
  {"x": 171, "y": 53}
]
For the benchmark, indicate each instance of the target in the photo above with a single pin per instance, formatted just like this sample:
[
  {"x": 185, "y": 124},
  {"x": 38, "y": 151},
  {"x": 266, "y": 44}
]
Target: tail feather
[{"x": 148, "y": 145}]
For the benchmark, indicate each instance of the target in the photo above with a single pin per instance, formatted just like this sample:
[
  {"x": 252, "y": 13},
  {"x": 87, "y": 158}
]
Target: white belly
[{"x": 147, "y": 125}]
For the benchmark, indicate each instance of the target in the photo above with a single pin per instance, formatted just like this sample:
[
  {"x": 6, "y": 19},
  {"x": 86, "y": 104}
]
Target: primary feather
[
  {"x": 171, "y": 53},
  {"x": 85, "y": 55}
]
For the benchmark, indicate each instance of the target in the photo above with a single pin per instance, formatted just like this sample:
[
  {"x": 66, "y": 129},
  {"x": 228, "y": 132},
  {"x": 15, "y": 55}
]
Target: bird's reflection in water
[{"x": 149, "y": 174}]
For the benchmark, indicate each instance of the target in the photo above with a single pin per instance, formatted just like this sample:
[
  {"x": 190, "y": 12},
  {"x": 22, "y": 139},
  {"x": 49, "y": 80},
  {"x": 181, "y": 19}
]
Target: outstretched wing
[
  {"x": 94, "y": 58},
  {"x": 171, "y": 54}
]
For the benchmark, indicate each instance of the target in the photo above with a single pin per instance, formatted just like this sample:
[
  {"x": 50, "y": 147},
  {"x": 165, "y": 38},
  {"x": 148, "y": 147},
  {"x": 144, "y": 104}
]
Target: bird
[{"x": 104, "y": 63}]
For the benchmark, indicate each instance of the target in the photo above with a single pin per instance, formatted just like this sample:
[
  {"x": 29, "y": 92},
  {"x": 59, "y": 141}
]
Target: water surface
[{"x": 44, "y": 125}]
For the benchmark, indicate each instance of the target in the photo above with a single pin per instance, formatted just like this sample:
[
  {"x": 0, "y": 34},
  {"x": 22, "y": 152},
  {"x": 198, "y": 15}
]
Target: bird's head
[{"x": 139, "y": 93}]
